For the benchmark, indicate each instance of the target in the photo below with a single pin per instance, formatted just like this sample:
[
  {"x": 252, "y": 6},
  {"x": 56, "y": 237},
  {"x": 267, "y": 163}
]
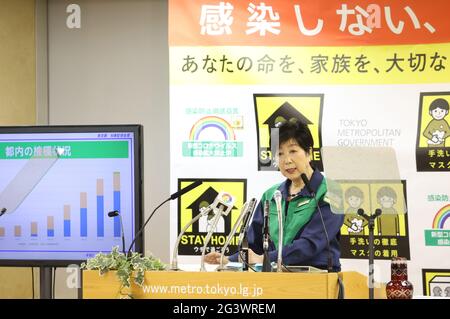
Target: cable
[
  {"x": 306, "y": 181},
  {"x": 286, "y": 267},
  {"x": 341, "y": 294},
  {"x": 145, "y": 224},
  {"x": 32, "y": 282},
  {"x": 246, "y": 263},
  {"x": 330, "y": 257}
]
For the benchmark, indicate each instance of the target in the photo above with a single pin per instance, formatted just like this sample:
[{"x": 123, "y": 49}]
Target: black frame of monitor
[{"x": 138, "y": 147}]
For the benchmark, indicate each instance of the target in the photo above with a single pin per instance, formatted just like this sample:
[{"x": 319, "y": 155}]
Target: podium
[{"x": 228, "y": 285}]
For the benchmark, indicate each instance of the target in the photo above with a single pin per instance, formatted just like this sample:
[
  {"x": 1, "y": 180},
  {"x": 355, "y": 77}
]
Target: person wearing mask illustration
[
  {"x": 388, "y": 223},
  {"x": 304, "y": 242}
]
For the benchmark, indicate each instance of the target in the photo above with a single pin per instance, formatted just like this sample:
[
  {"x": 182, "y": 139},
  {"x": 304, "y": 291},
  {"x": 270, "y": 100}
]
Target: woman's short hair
[{"x": 298, "y": 131}]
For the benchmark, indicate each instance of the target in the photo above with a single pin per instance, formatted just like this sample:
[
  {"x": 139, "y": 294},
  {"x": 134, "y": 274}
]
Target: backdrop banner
[{"x": 360, "y": 73}]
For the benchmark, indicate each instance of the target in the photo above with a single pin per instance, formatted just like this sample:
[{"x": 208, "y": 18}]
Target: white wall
[{"x": 114, "y": 70}]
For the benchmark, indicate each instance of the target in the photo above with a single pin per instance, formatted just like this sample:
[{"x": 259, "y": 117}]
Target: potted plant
[{"x": 125, "y": 266}]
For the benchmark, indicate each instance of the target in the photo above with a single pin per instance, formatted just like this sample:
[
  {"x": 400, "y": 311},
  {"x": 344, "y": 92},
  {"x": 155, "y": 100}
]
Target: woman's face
[{"x": 293, "y": 160}]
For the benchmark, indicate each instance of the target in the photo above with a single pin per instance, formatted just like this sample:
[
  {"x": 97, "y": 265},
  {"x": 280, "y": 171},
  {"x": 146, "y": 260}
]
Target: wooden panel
[
  {"x": 17, "y": 62},
  {"x": 17, "y": 101},
  {"x": 192, "y": 285},
  {"x": 16, "y": 282},
  {"x": 356, "y": 286},
  {"x": 100, "y": 287},
  {"x": 215, "y": 285}
]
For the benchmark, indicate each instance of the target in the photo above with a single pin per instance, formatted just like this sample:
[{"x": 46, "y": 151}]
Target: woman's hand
[{"x": 214, "y": 258}]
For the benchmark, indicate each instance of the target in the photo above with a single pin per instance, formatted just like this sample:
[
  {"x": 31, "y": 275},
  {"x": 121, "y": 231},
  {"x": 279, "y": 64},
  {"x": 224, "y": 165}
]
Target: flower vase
[{"x": 399, "y": 287}]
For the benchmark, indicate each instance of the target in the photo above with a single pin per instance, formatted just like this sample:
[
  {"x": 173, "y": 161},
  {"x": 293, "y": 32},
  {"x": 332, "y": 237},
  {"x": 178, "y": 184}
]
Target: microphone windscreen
[
  {"x": 186, "y": 189},
  {"x": 114, "y": 213},
  {"x": 250, "y": 209}
]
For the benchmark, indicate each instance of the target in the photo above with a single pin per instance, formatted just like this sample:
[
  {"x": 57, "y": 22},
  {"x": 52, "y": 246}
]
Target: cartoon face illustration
[
  {"x": 437, "y": 291},
  {"x": 354, "y": 201},
  {"x": 354, "y": 197},
  {"x": 203, "y": 204},
  {"x": 438, "y": 113},
  {"x": 386, "y": 197},
  {"x": 437, "y": 130},
  {"x": 386, "y": 201}
]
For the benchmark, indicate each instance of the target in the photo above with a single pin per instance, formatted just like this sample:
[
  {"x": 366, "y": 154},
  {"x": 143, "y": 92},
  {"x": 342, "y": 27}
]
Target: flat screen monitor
[{"x": 57, "y": 186}]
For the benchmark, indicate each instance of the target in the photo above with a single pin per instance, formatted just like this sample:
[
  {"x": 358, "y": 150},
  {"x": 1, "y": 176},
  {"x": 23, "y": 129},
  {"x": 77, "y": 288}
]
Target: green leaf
[{"x": 116, "y": 260}]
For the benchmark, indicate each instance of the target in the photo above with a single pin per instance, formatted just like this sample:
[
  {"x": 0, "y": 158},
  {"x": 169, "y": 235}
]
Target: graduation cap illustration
[{"x": 204, "y": 200}]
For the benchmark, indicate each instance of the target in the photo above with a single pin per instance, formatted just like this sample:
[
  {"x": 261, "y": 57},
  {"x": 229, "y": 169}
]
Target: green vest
[{"x": 299, "y": 213}]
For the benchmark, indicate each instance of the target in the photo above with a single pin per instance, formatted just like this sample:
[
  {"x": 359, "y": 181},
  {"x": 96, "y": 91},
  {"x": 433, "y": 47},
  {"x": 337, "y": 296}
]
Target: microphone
[
  {"x": 308, "y": 187},
  {"x": 204, "y": 211},
  {"x": 244, "y": 228},
  {"x": 172, "y": 197},
  {"x": 243, "y": 241},
  {"x": 266, "y": 261},
  {"x": 244, "y": 216},
  {"x": 277, "y": 197},
  {"x": 115, "y": 213},
  {"x": 2, "y": 211},
  {"x": 222, "y": 206},
  {"x": 185, "y": 190}
]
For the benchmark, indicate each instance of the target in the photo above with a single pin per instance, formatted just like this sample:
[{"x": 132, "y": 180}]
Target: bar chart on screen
[{"x": 64, "y": 211}]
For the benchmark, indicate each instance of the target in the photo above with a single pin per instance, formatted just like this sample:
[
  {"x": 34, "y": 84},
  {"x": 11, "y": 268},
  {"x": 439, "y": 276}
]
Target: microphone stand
[
  {"x": 280, "y": 242},
  {"x": 280, "y": 230},
  {"x": 172, "y": 197},
  {"x": 143, "y": 227},
  {"x": 243, "y": 217},
  {"x": 217, "y": 216},
  {"x": 123, "y": 234},
  {"x": 243, "y": 254},
  {"x": 242, "y": 240},
  {"x": 266, "y": 267},
  {"x": 371, "y": 225},
  {"x": 203, "y": 212},
  {"x": 114, "y": 214}
]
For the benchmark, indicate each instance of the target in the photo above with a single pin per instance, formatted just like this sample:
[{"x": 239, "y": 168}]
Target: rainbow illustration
[
  {"x": 442, "y": 215},
  {"x": 227, "y": 198},
  {"x": 212, "y": 121}
]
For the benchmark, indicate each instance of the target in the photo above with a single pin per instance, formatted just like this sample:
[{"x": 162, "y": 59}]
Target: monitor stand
[{"x": 45, "y": 282}]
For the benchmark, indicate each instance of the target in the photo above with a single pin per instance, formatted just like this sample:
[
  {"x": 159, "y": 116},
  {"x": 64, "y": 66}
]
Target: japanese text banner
[
  {"x": 307, "y": 23},
  {"x": 358, "y": 73},
  {"x": 310, "y": 65}
]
